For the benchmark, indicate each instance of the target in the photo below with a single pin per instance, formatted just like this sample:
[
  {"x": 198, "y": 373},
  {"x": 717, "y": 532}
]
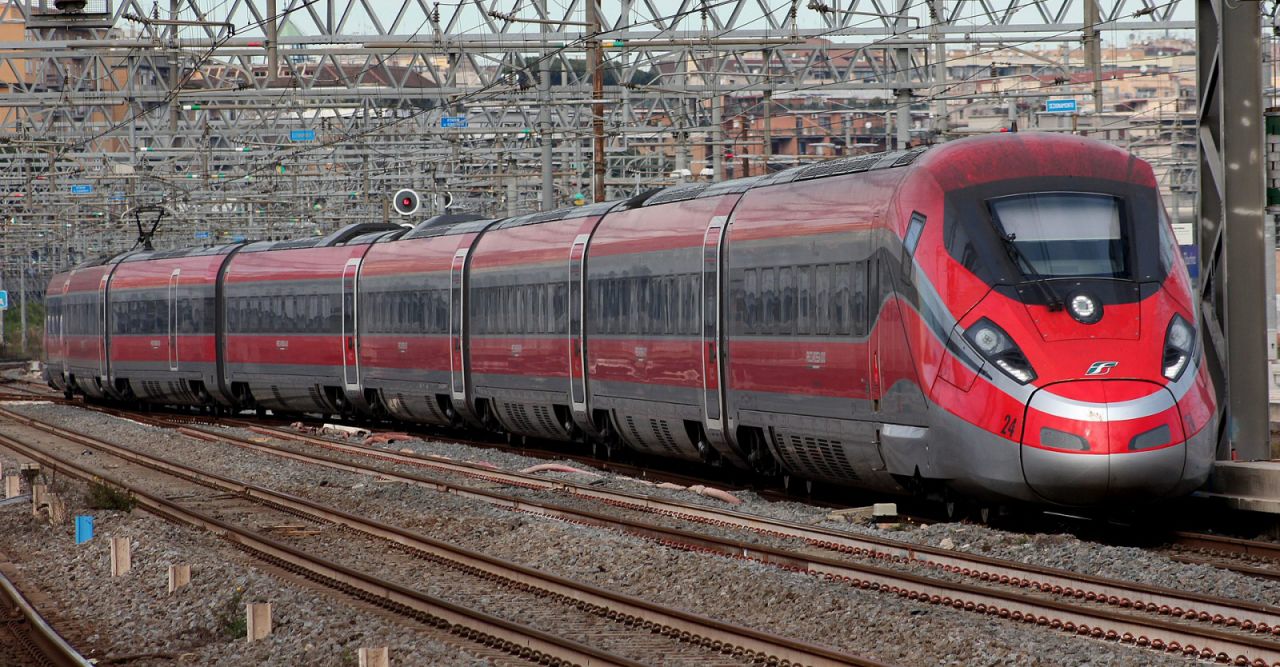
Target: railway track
[
  {"x": 1206, "y": 627},
  {"x": 27, "y": 639},
  {"x": 1252, "y": 557},
  {"x": 550, "y": 607},
  {"x": 1219, "y": 629},
  {"x": 1248, "y": 557}
]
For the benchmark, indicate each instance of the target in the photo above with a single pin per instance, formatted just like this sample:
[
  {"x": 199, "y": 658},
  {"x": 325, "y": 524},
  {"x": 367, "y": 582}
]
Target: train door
[
  {"x": 173, "y": 319},
  {"x": 350, "y": 363},
  {"x": 870, "y": 321},
  {"x": 712, "y": 348},
  {"x": 577, "y": 343},
  {"x": 457, "y": 367},
  {"x": 101, "y": 316},
  {"x": 62, "y": 326}
]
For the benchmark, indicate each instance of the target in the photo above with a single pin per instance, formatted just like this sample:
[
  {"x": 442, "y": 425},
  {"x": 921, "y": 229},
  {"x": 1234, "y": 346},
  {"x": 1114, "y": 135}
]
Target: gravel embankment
[
  {"x": 133, "y": 618},
  {"x": 879, "y": 625}
]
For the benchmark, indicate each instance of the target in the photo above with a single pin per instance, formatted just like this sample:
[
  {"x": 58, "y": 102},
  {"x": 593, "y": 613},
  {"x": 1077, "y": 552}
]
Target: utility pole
[
  {"x": 1093, "y": 54},
  {"x": 548, "y": 198},
  {"x": 768, "y": 123},
  {"x": 273, "y": 53},
  {"x": 936, "y": 12},
  {"x": 22, "y": 301},
  {"x": 903, "y": 57},
  {"x": 717, "y": 136},
  {"x": 595, "y": 60},
  {"x": 174, "y": 105}
]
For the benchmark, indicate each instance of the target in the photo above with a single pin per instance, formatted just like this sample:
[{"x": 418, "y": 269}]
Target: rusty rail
[{"x": 43, "y": 644}]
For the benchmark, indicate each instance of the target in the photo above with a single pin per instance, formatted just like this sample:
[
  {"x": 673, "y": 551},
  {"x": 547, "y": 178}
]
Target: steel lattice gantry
[
  {"x": 196, "y": 105},
  {"x": 1236, "y": 285}
]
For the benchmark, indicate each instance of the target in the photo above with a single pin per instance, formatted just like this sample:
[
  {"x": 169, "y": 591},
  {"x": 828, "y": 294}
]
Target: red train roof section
[{"x": 976, "y": 160}]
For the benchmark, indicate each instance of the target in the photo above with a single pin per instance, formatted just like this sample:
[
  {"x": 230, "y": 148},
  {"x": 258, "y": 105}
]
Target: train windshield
[{"x": 1062, "y": 234}]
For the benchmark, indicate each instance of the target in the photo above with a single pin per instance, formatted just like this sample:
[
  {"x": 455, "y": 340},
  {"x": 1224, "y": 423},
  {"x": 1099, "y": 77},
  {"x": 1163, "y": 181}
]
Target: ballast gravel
[
  {"x": 132, "y": 619},
  {"x": 882, "y": 626}
]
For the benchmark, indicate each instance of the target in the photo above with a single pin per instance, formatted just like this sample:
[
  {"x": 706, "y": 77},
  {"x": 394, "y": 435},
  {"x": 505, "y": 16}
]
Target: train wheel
[
  {"x": 989, "y": 514},
  {"x": 602, "y": 449},
  {"x": 954, "y": 507}
]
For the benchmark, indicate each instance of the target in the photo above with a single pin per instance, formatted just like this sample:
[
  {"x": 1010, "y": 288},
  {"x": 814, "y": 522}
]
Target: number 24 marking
[{"x": 1009, "y": 426}]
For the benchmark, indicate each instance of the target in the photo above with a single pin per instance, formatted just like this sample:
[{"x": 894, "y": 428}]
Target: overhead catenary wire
[{"x": 390, "y": 124}]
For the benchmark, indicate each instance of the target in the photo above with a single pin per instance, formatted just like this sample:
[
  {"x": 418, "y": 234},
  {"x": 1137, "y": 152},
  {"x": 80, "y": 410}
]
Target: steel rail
[
  {"x": 1152, "y": 631},
  {"x": 768, "y": 647},
  {"x": 1093, "y": 620},
  {"x": 1229, "y": 545},
  {"x": 1260, "y": 617},
  {"x": 48, "y": 642},
  {"x": 1227, "y": 564},
  {"x": 524, "y": 642}
]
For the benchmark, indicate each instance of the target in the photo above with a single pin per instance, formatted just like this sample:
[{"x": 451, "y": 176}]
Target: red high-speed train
[{"x": 1005, "y": 317}]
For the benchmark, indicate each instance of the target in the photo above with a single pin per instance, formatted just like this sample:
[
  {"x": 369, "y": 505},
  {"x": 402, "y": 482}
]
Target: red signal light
[{"x": 406, "y": 202}]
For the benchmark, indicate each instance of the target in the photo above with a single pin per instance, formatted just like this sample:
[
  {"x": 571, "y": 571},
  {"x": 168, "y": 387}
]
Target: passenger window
[
  {"x": 562, "y": 306},
  {"x": 751, "y": 285},
  {"x": 841, "y": 302},
  {"x": 822, "y": 291},
  {"x": 523, "y": 306},
  {"x": 860, "y": 298},
  {"x": 772, "y": 302},
  {"x": 672, "y": 306},
  {"x": 544, "y": 308},
  {"x": 738, "y": 303},
  {"x": 914, "y": 229},
  {"x": 694, "y": 316},
  {"x": 788, "y": 287},
  {"x": 612, "y": 304},
  {"x": 804, "y": 275},
  {"x": 644, "y": 315}
]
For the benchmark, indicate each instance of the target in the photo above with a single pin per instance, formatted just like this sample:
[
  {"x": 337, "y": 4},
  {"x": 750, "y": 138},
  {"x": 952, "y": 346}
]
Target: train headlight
[
  {"x": 1085, "y": 309},
  {"x": 987, "y": 340},
  {"x": 998, "y": 348},
  {"x": 1179, "y": 344}
]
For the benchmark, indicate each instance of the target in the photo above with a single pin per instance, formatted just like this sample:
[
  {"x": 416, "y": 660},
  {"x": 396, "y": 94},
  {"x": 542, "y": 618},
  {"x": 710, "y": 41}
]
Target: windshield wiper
[{"x": 1046, "y": 290}]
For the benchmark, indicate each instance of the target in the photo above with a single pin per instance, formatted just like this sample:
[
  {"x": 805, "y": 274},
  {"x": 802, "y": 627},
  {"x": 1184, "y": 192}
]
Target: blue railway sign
[
  {"x": 302, "y": 135},
  {"x": 1191, "y": 255},
  {"x": 81, "y": 189},
  {"x": 1060, "y": 106},
  {"x": 454, "y": 121},
  {"x": 4, "y": 299}
]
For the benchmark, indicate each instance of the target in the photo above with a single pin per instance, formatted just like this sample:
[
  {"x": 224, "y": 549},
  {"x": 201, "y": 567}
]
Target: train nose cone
[{"x": 1090, "y": 441}]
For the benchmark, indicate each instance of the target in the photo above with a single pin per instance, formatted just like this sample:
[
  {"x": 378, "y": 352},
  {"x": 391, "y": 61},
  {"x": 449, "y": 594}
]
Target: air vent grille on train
[{"x": 814, "y": 456}]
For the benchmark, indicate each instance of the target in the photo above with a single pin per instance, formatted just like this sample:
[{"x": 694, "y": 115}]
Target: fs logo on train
[{"x": 1101, "y": 367}]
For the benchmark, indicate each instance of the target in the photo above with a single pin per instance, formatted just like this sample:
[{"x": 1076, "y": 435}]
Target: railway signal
[{"x": 407, "y": 202}]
